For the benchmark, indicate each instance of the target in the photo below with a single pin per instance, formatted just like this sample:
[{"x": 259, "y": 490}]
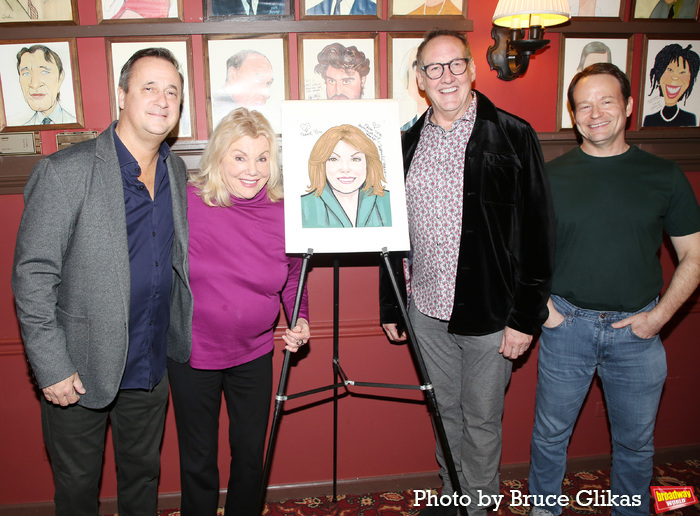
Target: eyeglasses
[{"x": 457, "y": 66}]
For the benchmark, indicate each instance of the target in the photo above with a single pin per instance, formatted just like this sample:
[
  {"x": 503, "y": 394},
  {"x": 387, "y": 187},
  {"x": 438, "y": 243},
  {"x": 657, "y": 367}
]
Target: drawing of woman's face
[
  {"x": 346, "y": 168},
  {"x": 674, "y": 81}
]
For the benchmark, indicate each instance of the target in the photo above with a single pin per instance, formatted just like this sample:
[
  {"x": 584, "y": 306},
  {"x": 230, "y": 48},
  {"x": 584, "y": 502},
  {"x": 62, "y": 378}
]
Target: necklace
[
  {"x": 678, "y": 110},
  {"x": 442, "y": 6}
]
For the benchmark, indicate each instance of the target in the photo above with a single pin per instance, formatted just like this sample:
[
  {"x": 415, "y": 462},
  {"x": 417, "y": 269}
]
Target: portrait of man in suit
[
  {"x": 343, "y": 8},
  {"x": 40, "y": 76},
  {"x": 248, "y": 7},
  {"x": 100, "y": 280},
  {"x": 344, "y": 71}
]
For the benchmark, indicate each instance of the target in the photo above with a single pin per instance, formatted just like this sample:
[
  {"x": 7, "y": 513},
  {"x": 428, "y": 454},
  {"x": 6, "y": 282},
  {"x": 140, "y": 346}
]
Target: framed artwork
[
  {"x": 40, "y": 85},
  {"x": 343, "y": 67},
  {"x": 343, "y": 177},
  {"x": 345, "y": 8},
  {"x": 134, "y": 11},
  {"x": 665, "y": 9},
  {"x": 596, "y": 9},
  {"x": 119, "y": 50},
  {"x": 669, "y": 72},
  {"x": 55, "y": 12},
  {"x": 578, "y": 52},
  {"x": 231, "y": 8},
  {"x": 403, "y": 86},
  {"x": 429, "y": 8},
  {"x": 246, "y": 71}
]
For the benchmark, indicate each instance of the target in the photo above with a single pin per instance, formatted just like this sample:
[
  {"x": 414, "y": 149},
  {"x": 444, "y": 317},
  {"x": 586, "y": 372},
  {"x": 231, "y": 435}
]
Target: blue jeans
[{"x": 632, "y": 370}]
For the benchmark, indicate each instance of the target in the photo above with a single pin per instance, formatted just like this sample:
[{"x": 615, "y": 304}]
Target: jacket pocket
[{"x": 499, "y": 179}]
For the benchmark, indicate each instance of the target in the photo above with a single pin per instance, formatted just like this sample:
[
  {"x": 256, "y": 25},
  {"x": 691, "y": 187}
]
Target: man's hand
[
  {"x": 66, "y": 392},
  {"x": 391, "y": 331},
  {"x": 643, "y": 325},
  {"x": 514, "y": 343}
]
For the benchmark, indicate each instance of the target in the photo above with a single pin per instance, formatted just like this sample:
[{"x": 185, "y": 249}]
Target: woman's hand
[{"x": 297, "y": 336}]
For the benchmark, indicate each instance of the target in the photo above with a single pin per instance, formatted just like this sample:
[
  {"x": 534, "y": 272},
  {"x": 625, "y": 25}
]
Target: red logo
[{"x": 668, "y": 498}]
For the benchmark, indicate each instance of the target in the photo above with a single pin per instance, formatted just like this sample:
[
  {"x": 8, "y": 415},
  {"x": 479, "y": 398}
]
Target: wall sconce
[{"x": 510, "y": 53}]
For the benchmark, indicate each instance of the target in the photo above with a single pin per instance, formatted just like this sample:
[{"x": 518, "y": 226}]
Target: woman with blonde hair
[
  {"x": 347, "y": 161},
  {"x": 238, "y": 273}
]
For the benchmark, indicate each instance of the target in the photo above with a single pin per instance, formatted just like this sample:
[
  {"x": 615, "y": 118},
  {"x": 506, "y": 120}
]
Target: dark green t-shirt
[{"x": 611, "y": 213}]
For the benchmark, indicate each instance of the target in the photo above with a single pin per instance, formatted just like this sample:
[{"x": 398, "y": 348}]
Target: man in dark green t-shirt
[{"x": 612, "y": 203}]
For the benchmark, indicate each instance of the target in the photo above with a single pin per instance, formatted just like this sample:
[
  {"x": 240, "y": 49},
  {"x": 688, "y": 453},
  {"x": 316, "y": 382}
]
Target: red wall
[{"x": 377, "y": 437}]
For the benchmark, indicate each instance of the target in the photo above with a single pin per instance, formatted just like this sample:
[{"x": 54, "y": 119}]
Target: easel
[{"x": 338, "y": 373}]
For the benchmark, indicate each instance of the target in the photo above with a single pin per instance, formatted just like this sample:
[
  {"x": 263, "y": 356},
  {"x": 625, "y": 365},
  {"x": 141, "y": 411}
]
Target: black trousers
[
  {"x": 75, "y": 440},
  {"x": 197, "y": 402}
]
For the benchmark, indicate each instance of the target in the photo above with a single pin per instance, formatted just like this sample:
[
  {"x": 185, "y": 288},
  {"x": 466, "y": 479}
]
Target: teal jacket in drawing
[{"x": 326, "y": 212}]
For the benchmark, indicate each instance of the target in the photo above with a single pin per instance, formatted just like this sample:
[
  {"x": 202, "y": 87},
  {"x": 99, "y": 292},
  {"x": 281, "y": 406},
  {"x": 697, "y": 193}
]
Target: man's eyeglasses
[{"x": 457, "y": 66}]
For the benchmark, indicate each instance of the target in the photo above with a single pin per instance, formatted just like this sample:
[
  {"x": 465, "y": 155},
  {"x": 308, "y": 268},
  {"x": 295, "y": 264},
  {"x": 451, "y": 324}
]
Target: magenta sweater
[{"x": 238, "y": 274}]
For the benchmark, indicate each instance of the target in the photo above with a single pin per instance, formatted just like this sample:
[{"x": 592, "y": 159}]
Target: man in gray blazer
[{"x": 100, "y": 280}]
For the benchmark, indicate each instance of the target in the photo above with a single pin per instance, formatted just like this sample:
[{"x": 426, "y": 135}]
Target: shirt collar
[
  {"x": 468, "y": 116},
  {"x": 124, "y": 155}
]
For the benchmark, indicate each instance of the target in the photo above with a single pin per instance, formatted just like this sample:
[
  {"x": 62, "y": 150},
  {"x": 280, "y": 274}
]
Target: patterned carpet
[{"x": 402, "y": 503}]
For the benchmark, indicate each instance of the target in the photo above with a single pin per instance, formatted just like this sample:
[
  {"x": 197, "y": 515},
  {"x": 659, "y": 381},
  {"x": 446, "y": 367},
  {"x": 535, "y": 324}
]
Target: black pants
[
  {"x": 197, "y": 402},
  {"x": 75, "y": 440}
]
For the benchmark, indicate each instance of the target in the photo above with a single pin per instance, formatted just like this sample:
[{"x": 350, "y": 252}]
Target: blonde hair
[
  {"x": 323, "y": 148},
  {"x": 234, "y": 126}
]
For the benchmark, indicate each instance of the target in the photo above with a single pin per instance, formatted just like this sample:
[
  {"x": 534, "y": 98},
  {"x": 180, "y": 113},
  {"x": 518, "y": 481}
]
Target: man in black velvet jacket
[{"x": 481, "y": 227}]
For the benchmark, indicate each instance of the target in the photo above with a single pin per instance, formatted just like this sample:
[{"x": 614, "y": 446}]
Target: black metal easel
[{"x": 339, "y": 374}]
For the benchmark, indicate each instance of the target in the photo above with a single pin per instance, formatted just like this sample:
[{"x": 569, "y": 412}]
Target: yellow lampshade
[{"x": 524, "y": 13}]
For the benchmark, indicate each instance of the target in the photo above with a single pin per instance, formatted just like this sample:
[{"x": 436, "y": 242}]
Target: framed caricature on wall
[
  {"x": 218, "y": 9},
  {"x": 668, "y": 97},
  {"x": 403, "y": 86},
  {"x": 54, "y": 12},
  {"x": 135, "y": 11},
  {"x": 40, "y": 85},
  {"x": 248, "y": 71},
  {"x": 428, "y": 8},
  {"x": 596, "y": 8},
  {"x": 343, "y": 177},
  {"x": 119, "y": 50},
  {"x": 665, "y": 9},
  {"x": 580, "y": 51},
  {"x": 341, "y": 67}
]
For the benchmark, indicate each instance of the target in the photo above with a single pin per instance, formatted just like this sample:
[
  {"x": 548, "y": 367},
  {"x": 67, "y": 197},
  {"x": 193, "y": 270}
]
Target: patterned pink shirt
[{"x": 434, "y": 195}]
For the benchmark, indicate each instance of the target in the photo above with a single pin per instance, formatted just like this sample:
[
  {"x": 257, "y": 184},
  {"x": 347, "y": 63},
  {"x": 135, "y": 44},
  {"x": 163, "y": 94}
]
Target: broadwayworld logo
[{"x": 671, "y": 498}]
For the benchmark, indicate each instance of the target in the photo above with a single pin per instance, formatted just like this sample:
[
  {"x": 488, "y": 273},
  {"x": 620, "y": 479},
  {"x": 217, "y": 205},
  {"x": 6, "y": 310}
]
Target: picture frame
[
  {"x": 667, "y": 98},
  {"x": 246, "y": 70},
  {"x": 441, "y": 9},
  {"x": 347, "y": 9},
  {"x": 129, "y": 11},
  {"x": 343, "y": 181},
  {"x": 54, "y": 12},
  {"x": 403, "y": 86},
  {"x": 579, "y": 51},
  {"x": 265, "y": 9},
  {"x": 52, "y": 101},
  {"x": 359, "y": 48},
  {"x": 659, "y": 10},
  {"x": 597, "y": 9},
  {"x": 119, "y": 50}
]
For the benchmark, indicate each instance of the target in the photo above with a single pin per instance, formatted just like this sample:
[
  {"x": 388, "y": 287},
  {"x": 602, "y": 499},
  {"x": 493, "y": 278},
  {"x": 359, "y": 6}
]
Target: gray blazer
[{"x": 71, "y": 269}]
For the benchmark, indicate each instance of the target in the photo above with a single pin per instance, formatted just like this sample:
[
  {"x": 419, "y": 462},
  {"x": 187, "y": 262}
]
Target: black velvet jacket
[{"x": 506, "y": 255}]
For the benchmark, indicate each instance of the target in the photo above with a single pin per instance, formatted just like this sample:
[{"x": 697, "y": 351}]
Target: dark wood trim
[
  {"x": 679, "y": 145},
  {"x": 357, "y": 486},
  {"x": 241, "y": 25}
]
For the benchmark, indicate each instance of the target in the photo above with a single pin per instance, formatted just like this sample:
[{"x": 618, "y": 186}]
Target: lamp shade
[{"x": 523, "y": 13}]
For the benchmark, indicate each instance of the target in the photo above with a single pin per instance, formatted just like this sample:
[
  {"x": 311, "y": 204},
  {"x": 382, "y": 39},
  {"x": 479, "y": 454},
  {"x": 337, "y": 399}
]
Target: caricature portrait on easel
[{"x": 343, "y": 176}]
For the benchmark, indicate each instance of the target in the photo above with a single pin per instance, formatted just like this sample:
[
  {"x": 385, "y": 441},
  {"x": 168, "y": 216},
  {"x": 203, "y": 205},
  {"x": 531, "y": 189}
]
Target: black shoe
[{"x": 440, "y": 510}]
